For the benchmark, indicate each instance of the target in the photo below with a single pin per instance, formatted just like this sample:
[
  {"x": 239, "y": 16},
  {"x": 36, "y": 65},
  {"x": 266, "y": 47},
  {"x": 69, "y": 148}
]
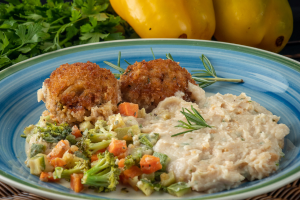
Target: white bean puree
[{"x": 245, "y": 142}]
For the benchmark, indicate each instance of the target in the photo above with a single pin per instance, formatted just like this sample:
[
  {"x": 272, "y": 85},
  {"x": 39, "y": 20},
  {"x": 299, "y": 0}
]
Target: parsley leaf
[{"x": 29, "y": 28}]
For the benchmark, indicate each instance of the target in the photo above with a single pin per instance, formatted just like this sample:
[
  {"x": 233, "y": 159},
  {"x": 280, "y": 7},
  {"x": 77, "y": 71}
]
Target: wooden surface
[{"x": 288, "y": 192}]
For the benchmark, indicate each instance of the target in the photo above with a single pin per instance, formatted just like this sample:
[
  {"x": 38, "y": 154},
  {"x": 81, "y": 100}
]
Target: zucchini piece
[
  {"x": 127, "y": 133},
  {"x": 179, "y": 189},
  {"x": 37, "y": 165},
  {"x": 167, "y": 179},
  {"x": 149, "y": 139},
  {"x": 146, "y": 186},
  {"x": 164, "y": 160},
  {"x": 86, "y": 125},
  {"x": 150, "y": 177},
  {"x": 133, "y": 182},
  {"x": 48, "y": 166}
]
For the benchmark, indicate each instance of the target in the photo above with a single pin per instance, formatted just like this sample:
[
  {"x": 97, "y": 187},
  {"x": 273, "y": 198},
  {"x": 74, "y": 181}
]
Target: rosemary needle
[{"x": 194, "y": 121}]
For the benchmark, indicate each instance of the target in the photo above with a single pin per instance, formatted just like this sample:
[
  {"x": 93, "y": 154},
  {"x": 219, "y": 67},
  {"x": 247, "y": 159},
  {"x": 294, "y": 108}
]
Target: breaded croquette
[
  {"x": 79, "y": 90},
  {"x": 148, "y": 83}
]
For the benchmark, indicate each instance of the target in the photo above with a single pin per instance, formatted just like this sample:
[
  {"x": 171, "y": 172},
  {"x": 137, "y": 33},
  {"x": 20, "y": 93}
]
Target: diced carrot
[
  {"x": 76, "y": 184},
  {"x": 59, "y": 150},
  {"x": 150, "y": 164},
  {"x": 121, "y": 163},
  {"x": 95, "y": 157},
  {"x": 117, "y": 147},
  {"x": 129, "y": 109},
  {"x": 132, "y": 172},
  {"x": 123, "y": 179},
  {"x": 47, "y": 176},
  {"x": 76, "y": 132},
  {"x": 57, "y": 162}
]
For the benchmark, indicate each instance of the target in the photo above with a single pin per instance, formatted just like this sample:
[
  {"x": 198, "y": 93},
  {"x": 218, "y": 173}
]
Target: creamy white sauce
[{"x": 244, "y": 144}]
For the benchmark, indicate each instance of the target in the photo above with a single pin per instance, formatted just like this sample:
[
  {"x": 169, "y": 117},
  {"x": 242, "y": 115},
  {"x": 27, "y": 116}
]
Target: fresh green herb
[
  {"x": 152, "y": 53},
  {"x": 194, "y": 119},
  {"x": 117, "y": 67},
  {"x": 209, "y": 71},
  {"x": 127, "y": 62},
  {"x": 169, "y": 56},
  {"x": 202, "y": 82},
  {"x": 28, "y": 28},
  {"x": 277, "y": 164},
  {"x": 249, "y": 101},
  {"x": 242, "y": 139}
]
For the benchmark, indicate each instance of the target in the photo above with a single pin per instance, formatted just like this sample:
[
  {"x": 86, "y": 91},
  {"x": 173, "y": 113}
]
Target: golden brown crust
[
  {"x": 76, "y": 88},
  {"x": 148, "y": 83}
]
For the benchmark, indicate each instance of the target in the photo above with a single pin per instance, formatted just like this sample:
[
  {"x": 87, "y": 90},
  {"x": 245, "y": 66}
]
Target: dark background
[{"x": 293, "y": 47}]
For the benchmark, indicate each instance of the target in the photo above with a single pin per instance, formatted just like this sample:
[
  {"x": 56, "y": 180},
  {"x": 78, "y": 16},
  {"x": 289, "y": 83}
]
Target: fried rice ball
[
  {"x": 78, "y": 91},
  {"x": 148, "y": 83}
]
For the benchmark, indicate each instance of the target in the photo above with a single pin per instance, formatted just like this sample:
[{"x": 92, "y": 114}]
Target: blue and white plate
[{"x": 270, "y": 79}]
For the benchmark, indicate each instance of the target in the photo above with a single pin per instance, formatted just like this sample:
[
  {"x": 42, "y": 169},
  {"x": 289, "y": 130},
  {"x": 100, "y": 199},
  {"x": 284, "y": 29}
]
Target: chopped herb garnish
[
  {"x": 194, "y": 119},
  {"x": 152, "y": 54}
]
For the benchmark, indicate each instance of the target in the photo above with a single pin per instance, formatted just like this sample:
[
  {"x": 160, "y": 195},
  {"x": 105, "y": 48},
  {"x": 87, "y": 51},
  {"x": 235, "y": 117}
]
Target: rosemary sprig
[
  {"x": 152, "y": 53},
  {"x": 194, "y": 119},
  {"x": 117, "y": 67},
  {"x": 201, "y": 76},
  {"x": 169, "y": 56}
]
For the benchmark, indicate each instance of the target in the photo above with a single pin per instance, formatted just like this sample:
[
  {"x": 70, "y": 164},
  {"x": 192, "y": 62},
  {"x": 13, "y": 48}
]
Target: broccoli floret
[
  {"x": 80, "y": 167},
  {"x": 104, "y": 175},
  {"x": 129, "y": 161},
  {"x": 53, "y": 133},
  {"x": 101, "y": 132},
  {"x": 36, "y": 148},
  {"x": 88, "y": 148}
]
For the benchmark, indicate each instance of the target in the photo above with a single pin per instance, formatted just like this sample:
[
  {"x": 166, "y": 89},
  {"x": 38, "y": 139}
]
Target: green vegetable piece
[
  {"x": 133, "y": 182},
  {"x": 149, "y": 139},
  {"x": 167, "y": 179},
  {"x": 164, "y": 160},
  {"x": 79, "y": 154},
  {"x": 137, "y": 154},
  {"x": 179, "y": 189},
  {"x": 127, "y": 132},
  {"x": 146, "y": 186},
  {"x": 29, "y": 129},
  {"x": 104, "y": 175},
  {"x": 88, "y": 148},
  {"x": 72, "y": 139},
  {"x": 37, "y": 165},
  {"x": 36, "y": 148},
  {"x": 101, "y": 132},
  {"x": 150, "y": 177},
  {"x": 144, "y": 140},
  {"x": 129, "y": 162},
  {"x": 48, "y": 166},
  {"x": 57, "y": 172},
  {"x": 54, "y": 133},
  {"x": 80, "y": 167}
]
